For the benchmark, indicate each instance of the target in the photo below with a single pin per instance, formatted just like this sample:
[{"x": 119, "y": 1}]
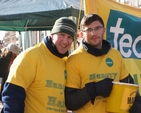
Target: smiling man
[{"x": 37, "y": 77}]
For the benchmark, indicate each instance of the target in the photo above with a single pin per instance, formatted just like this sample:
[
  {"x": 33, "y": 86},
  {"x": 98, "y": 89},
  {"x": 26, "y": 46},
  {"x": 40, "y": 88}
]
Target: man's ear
[{"x": 80, "y": 34}]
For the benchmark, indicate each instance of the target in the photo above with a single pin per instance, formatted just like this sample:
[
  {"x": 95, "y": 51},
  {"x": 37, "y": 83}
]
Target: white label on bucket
[{"x": 127, "y": 98}]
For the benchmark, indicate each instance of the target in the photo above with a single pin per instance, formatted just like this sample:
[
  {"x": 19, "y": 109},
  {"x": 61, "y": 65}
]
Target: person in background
[
  {"x": 92, "y": 67},
  {"x": 78, "y": 42},
  {"x": 79, "y": 39},
  {"x": 8, "y": 55},
  {"x": 37, "y": 77}
]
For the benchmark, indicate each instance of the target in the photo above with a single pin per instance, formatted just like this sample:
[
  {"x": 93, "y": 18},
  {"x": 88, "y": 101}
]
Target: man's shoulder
[
  {"x": 78, "y": 51},
  {"x": 35, "y": 49},
  {"x": 115, "y": 52},
  {"x": 33, "y": 52}
]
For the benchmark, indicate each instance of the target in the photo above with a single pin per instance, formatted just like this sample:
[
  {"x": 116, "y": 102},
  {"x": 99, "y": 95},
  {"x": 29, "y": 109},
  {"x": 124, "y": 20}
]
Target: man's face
[
  {"x": 62, "y": 41},
  {"x": 94, "y": 33}
]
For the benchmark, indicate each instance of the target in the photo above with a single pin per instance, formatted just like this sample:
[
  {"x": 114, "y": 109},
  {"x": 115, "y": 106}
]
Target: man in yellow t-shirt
[
  {"x": 37, "y": 77},
  {"x": 91, "y": 68}
]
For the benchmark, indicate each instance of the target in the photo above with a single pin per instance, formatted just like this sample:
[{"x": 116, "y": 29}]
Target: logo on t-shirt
[{"x": 109, "y": 62}]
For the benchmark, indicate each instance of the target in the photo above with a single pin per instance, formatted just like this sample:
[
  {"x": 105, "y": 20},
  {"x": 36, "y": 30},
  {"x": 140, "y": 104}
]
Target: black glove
[
  {"x": 101, "y": 88},
  {"x": 136, "y": 107}
]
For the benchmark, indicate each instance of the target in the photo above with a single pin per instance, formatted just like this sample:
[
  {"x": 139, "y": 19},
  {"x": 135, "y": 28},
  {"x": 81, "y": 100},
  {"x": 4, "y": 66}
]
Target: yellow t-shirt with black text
[
  {"x": 83, "y": 67},
  {"x": 42, "y": 75}
]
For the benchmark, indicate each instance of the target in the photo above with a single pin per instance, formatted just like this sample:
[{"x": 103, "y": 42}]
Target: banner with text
[{"x": 123, "y": 30}]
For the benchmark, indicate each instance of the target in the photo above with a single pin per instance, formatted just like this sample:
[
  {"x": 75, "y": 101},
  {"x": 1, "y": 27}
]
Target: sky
[{"x": 2, "y": 33}]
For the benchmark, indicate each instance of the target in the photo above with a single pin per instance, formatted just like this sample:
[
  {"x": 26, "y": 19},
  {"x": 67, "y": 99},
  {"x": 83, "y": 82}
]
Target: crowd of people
[{"x": 47, "y": 78}]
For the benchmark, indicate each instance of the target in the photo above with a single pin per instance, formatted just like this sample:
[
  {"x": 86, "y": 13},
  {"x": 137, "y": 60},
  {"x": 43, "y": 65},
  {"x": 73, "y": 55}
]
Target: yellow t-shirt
[
  {"x": 83, "y": 67},
  {"x": 42, "y": 75}
]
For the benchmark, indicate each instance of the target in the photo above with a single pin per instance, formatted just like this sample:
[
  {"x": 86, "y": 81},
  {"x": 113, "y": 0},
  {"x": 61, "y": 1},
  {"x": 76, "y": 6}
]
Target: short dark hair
[{"x": 88, "y": 19}]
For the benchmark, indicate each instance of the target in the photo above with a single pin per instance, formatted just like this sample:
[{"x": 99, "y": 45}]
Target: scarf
[{"x": 52, "y": 48}]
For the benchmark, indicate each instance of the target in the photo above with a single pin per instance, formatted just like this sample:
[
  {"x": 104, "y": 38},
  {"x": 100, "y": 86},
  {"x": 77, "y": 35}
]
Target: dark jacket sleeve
[
  {"x": 13, "y": 98},
  {"x": 136, "y": 107},
  {"x": 128, "y": 79},
  {"x": 76, "y": 98}
]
